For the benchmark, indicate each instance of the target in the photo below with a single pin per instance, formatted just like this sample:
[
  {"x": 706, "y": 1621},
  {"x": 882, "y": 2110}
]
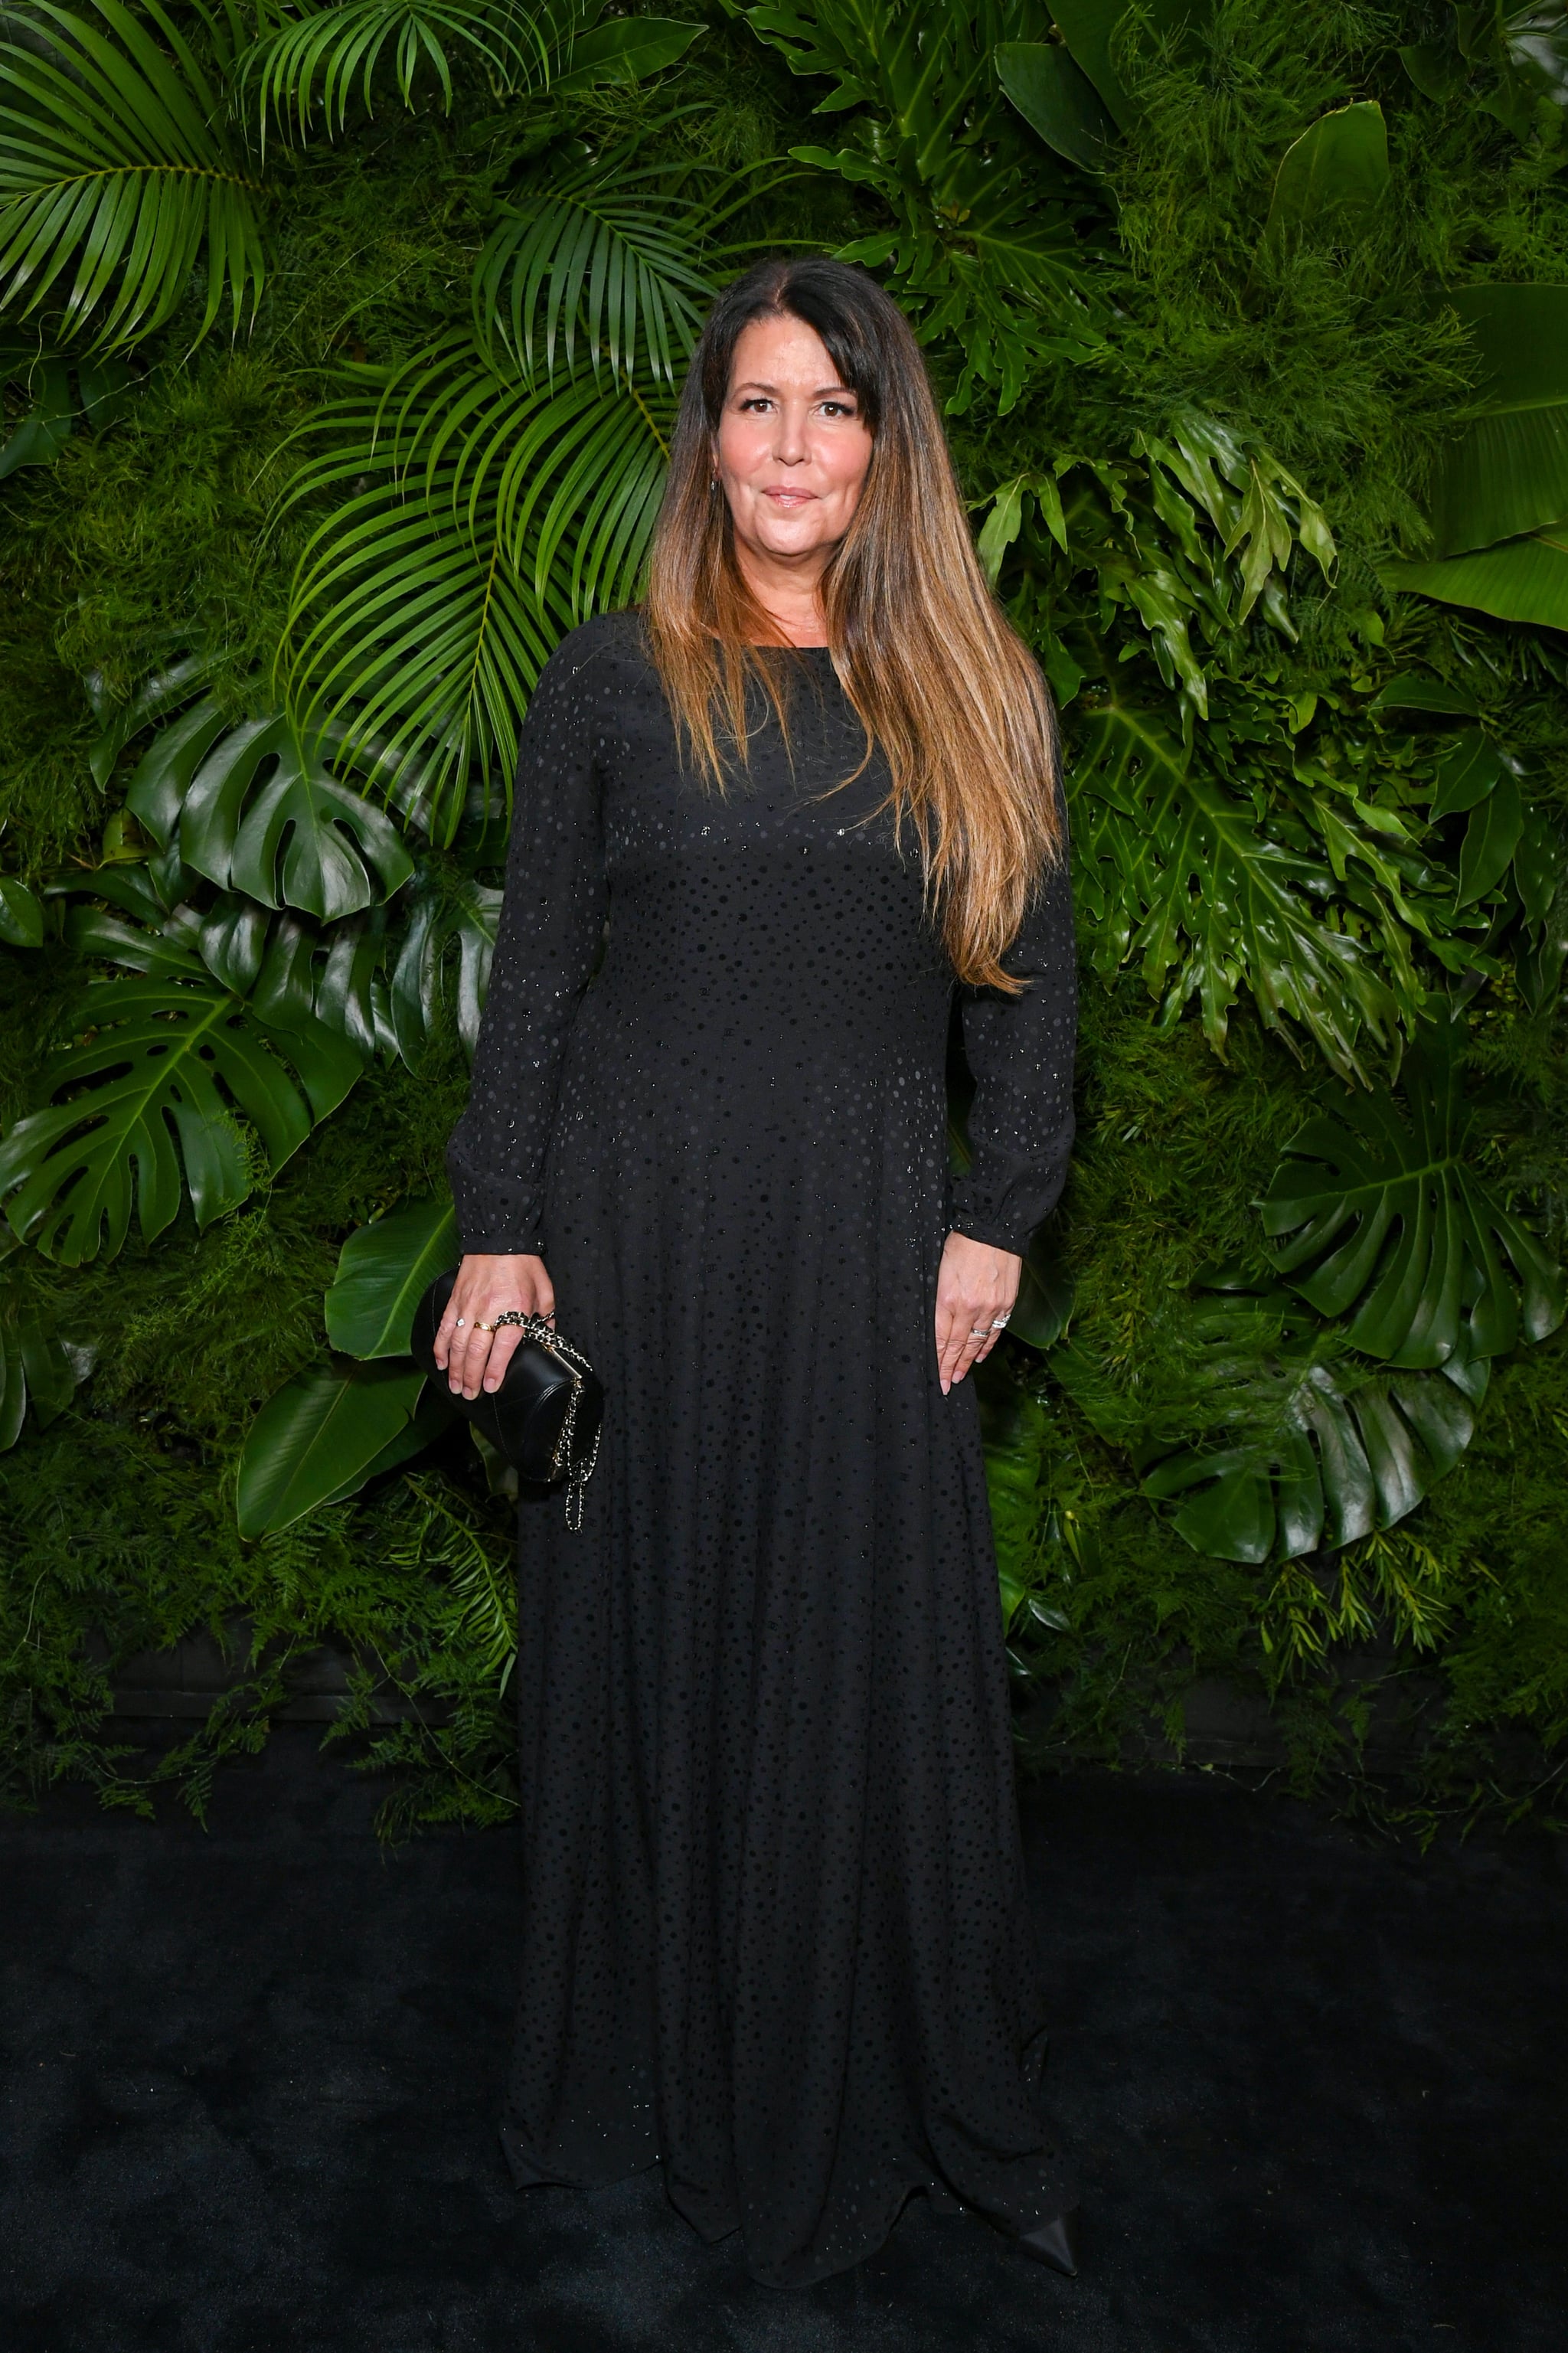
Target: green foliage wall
[{"x": 344, "y": 393}]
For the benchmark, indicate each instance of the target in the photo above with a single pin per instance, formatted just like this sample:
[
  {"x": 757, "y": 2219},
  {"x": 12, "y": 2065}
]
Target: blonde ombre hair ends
[{"x": 937, "y": 675}]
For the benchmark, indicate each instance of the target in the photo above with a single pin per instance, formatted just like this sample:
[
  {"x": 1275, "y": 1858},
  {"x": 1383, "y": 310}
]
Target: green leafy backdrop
[{"x": 340, "y": 347}]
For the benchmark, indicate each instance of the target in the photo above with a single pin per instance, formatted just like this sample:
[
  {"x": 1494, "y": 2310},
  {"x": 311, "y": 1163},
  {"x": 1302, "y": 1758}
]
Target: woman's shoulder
[{"x": 607, "y": 654}]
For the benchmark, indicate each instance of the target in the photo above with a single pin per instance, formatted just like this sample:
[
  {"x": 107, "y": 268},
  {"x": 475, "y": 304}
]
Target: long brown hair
[{"x": 930, "y": 662}]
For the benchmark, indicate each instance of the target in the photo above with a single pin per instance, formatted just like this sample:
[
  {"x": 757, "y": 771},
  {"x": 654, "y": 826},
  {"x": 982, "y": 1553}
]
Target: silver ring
[
  {"x": 462, "y": 1320},
  {"x": 980, "y": 1335},
  {"x": 1000, "y": 1325}
]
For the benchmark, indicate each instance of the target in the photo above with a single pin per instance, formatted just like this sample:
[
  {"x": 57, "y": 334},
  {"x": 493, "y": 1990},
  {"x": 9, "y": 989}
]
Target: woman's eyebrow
[{"x": 823, "y": 391}]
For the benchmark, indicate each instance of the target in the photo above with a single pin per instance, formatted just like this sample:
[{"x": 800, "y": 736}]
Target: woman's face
[{"x": 792, "y": 448}]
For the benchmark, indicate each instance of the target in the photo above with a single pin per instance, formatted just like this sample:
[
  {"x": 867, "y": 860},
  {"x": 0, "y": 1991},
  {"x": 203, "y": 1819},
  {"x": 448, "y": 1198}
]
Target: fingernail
[{"x": 944, "y": 1387}]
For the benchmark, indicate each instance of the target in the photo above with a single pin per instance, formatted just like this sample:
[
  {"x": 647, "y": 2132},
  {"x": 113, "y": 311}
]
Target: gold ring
[{"x": 479, "y": 1326}]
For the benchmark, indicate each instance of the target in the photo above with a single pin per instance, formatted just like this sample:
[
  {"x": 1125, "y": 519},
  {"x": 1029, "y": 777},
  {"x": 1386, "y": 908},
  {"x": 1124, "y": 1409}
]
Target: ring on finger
[
  {"x": 480, "y": 1326},
  {"x": 981, "y": 1335}
]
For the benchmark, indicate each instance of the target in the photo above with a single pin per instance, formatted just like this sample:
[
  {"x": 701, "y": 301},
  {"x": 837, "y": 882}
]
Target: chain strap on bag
[
  {"x": 547, "y": 1416},
  {"x": 565, "y": 1463}
]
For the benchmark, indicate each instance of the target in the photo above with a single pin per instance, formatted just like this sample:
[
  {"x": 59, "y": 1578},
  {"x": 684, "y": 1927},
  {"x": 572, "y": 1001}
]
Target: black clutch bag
[{"x": 547, "y": 1414}]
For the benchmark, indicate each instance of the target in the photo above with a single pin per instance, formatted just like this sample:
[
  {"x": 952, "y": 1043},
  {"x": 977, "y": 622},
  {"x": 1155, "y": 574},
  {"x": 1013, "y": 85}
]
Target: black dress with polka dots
[{"x": 775, "y": 1934}]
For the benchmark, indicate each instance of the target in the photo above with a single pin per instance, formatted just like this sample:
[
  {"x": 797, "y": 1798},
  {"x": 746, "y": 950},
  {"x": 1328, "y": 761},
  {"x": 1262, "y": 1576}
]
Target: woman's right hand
[{"x": 470, "y": 1356}]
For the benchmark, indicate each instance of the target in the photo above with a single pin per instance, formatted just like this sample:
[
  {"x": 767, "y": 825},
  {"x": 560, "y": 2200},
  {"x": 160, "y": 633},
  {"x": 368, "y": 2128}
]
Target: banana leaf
[
  {"x": 1508, "y": 472},
  {"x": 383, "y": 1271},
  {"x": 1334, "y": 175},
  {"x": 1057, "y": 98},
  {"x": 1519, "y": 580},
  {"x": 320, "y": 1438}
]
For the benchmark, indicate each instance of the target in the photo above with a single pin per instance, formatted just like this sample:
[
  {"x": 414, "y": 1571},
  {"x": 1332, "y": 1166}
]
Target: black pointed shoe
[{"x": 1055, "y": 2242}]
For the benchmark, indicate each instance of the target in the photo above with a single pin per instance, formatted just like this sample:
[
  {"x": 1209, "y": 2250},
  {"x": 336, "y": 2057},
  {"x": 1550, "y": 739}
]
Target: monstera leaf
[
  {"x": 1382, "y": 1220},
  {"x": 1300, "y": 1452},
  {"x": 442, "y": 915},
  {"x": 166, "y": 1067},
  {"x": 383, "y": 1273},
  {"x": 256, "y": 813},
  {"x": 324, "y": 1434}
]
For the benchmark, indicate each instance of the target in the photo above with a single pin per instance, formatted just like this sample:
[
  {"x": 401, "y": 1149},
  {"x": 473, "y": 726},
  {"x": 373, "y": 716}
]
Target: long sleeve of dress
[
  {"x": 1020, "y": 1051},
  {"x": 551, "y": 922}
]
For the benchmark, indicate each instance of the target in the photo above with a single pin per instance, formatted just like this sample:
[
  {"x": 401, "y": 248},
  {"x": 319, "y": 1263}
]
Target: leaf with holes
[
  {"x": 255, "y": 812},
  {"x": 1300, "y": 1453},
  {"x": 165, "y": 1070},
  {"x": 1382, "y": 1220}
]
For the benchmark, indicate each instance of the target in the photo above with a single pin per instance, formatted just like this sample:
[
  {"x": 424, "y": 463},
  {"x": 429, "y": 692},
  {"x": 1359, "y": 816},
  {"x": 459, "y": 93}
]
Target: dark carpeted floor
[{"x": 1316, "y": 2087}]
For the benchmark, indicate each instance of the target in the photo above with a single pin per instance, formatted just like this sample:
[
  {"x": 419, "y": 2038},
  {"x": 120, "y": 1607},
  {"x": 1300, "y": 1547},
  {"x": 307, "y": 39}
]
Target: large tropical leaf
[
  {"x": 1519, "y": 580},
  {"x": 607, "y": 252},
  {"x": 622, "y": 50},
  {"x": 166, "y": 1067},
  {"x": 383, "y": 1270},
  {"x": 323, "y": 1436},
  {"x": 35, "y": 1369},
  {"x": 1382, "y": 1220},
  {"x": 443, "y": 914},
  {"x": 116, "y": 180},
  {"x": 1335, "y": 174},
  {"x": 257, "y": 813},
  {"x": 1057, "y": 97},
  {"x": 1172, "y": 869},
  {"x": 1301, "y": 1452},
  {"x": 498, "y": 513},
  {"x": 1092, "y": 30},
  {"x": 1508, "y": 472},
  {"x": 21, "y": 914}
]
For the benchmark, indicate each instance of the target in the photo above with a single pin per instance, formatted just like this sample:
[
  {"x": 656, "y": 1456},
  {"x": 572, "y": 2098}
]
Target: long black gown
[{"x": 775, "y": 1931}]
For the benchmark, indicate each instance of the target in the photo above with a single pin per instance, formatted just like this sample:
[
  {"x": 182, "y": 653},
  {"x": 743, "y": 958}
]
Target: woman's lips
[{"x": 789, "y": 497}]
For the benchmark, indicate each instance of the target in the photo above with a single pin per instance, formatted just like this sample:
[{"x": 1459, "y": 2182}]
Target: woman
[{"x": 775, "y": 1929}]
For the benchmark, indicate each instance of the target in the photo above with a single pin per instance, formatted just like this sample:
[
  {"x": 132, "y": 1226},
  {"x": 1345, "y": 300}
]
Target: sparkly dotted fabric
[{"x": 775, "y": 1933}]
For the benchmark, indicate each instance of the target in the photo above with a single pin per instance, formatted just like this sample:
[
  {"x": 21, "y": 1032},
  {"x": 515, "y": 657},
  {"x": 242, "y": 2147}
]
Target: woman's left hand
[{"x": 976, "y": 1289}]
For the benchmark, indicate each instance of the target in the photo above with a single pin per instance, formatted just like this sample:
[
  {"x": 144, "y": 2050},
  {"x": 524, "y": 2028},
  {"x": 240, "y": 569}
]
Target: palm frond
[
  {"x": 611, "y": 252},
  {"x": 116, "y": 182},
  {"x": 321, "y": 55},
  {"x": 425, "y": 606}
]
